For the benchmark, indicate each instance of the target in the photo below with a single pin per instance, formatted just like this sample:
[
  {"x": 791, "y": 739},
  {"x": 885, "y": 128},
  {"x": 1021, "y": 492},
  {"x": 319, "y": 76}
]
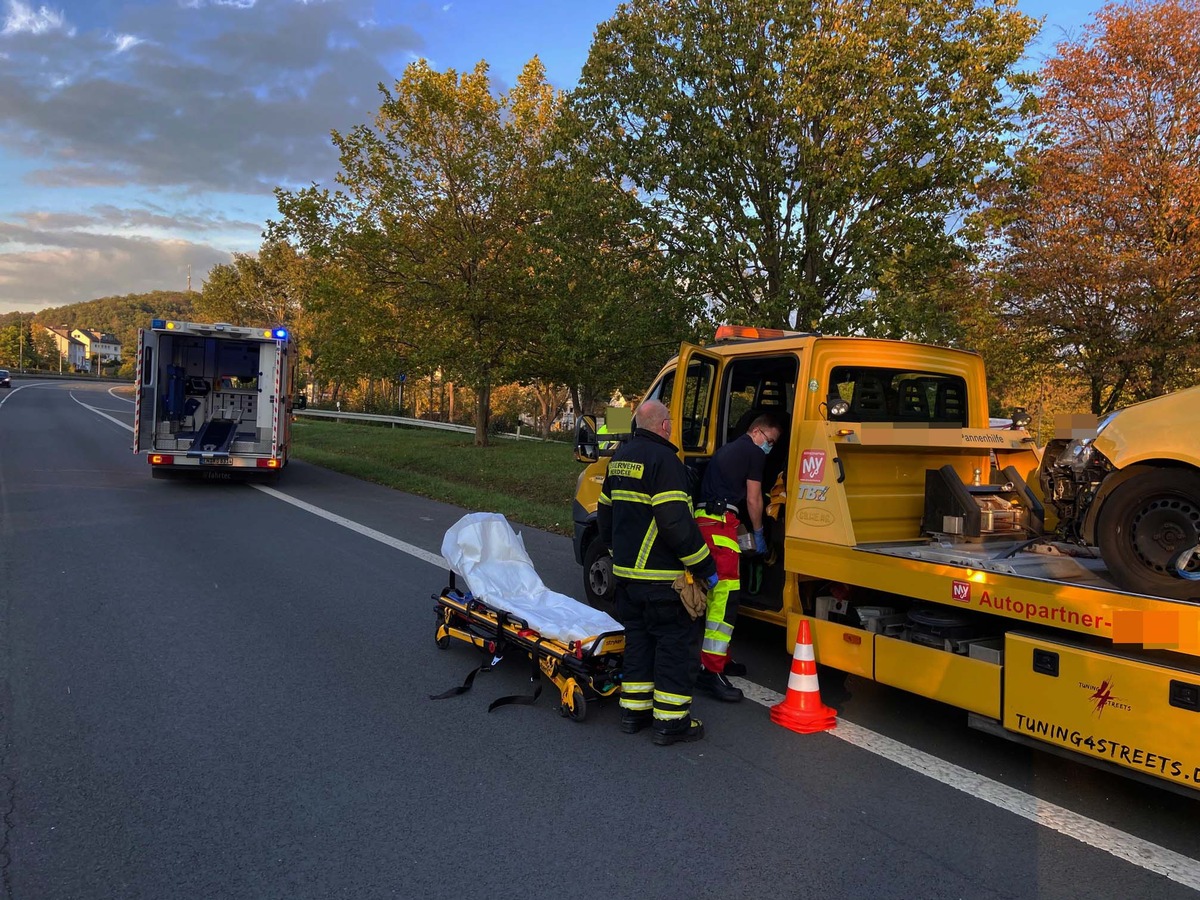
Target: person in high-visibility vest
[
  {"x": 605, "y": 445},
  {"x": 645, "y": 516},
  {"x": 732, "y": 480}
]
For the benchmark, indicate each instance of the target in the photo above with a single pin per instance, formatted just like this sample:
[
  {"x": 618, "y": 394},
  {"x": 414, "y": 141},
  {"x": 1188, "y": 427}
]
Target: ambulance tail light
[
  {"x": 747, "y": 333},
  {"x": 161, "y": 459},
  {"x": 272, "y": 462}
]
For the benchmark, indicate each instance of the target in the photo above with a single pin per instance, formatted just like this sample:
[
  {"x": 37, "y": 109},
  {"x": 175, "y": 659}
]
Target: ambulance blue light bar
[
  {"x": 158, "y": 323},
  {"x": 281, "y": 334}
]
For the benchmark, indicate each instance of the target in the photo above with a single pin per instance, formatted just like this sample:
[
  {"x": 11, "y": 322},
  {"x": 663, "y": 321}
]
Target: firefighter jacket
[{"x": 645, "y": 513}]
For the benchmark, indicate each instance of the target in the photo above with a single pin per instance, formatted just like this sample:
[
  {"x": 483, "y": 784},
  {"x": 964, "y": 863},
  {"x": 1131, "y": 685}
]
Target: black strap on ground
[
  {"x": 523, "y": 699},
  {"x": 465, "y": 686}
]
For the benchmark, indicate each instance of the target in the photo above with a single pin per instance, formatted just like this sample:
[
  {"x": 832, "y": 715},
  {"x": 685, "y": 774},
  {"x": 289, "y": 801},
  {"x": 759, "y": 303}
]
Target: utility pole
[
  {"x": 189, "y": 290},
  {"x": 21, "y": 345}
]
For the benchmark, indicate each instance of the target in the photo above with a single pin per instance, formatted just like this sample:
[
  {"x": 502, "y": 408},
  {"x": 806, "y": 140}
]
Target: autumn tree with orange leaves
[{"x": 1097, "y": 244}]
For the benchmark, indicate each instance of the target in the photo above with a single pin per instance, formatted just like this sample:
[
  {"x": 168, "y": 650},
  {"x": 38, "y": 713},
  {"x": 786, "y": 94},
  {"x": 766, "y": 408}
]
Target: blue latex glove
[
  {"x": 760, "y": 542},
  {"x": 711, "y": 581}
]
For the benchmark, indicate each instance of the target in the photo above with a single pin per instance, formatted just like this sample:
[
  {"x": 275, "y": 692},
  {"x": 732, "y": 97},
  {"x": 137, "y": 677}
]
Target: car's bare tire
[
  {"x": 598, "y": 583},
  {"x": 1145, "y": 524}
]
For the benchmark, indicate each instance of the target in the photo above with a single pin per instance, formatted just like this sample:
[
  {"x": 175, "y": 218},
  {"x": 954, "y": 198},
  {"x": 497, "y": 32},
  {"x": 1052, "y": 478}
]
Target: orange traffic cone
[{"x": 802, "y": 710}]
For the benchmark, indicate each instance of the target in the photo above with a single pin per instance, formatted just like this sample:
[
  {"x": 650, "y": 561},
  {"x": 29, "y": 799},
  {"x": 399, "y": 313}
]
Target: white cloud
[
  {"x": 125, "y": 42},
  {"x": 23, "y": 19}
]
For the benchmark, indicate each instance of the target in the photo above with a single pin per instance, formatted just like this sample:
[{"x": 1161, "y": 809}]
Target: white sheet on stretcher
[{"x": 483, "y": 549}]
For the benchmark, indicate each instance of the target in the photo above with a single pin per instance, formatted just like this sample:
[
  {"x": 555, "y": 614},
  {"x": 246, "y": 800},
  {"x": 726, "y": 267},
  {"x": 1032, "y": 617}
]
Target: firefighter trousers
[
  {"x": 719, "y": 531},
  {"x": 660, "y": 651}
]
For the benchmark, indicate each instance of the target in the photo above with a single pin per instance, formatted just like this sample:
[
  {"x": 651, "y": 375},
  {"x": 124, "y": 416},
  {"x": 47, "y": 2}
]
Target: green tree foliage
[
  {"x": 438, "y": 196},
  {"x": 1097, "y": 243},
  {"x": 267, "y": 288},
  {"x": 608, "y": 312},
  {"x": 798, "y": 157}
]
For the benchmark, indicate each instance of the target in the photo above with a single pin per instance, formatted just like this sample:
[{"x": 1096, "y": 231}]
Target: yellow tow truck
[{"x": 1054, "y": 595}]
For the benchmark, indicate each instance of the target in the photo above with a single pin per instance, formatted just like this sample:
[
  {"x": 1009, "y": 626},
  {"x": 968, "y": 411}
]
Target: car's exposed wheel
[{"x": 1145, "y": 524}]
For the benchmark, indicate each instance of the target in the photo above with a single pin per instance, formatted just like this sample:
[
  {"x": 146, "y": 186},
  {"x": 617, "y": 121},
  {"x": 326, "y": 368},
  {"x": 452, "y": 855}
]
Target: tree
[
  {"x": 1100, "y": 236},
  {"x": 791, "y": 154},
  {"x": 608, "y": 311},
  {"x": 267, "y": 289},
  {"x": 437, "y": 202}
]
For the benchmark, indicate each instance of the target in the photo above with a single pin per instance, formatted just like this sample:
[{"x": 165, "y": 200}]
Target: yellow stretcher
[{"x": 583, "y": 671}]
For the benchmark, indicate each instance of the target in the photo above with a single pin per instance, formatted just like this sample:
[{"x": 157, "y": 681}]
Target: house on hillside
[
  {"x": 98, "y": 343},
  {"x": 71, "y": 351}
]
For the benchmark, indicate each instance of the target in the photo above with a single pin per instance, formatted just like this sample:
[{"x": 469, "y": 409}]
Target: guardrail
[{"x": 402, "y": 420}]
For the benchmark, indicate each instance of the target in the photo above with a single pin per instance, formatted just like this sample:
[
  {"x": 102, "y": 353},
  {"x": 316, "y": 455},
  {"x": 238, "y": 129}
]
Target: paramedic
[
  {"x": 733, "y": 479},
  {"x": 645, "y": 516}
]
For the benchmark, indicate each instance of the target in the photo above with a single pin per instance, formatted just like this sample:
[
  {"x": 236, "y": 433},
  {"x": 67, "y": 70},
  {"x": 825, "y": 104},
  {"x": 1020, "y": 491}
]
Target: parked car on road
[{"x": 5, "y": 379}]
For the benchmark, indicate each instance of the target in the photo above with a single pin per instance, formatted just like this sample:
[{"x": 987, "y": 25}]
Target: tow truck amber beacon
[
  {"x": 213, "y": 399},
  {"x": 934, "y": 553}
]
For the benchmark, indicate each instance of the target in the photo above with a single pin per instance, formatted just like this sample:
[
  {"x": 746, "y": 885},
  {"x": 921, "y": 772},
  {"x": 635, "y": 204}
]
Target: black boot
[
  {"x": 719, "y": 686},
  {"x": 733, "y": 667},
  {"x": 633, "y": 721},
  {"x": 686, "y": 730}
]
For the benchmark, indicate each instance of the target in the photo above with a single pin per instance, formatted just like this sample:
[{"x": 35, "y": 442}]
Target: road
[{"x": 206, "y": 691}]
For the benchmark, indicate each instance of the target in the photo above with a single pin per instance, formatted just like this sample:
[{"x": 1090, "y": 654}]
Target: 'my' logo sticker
[
  {"x": 812, "y": 466},
  {"x": 961, "y": 591}
]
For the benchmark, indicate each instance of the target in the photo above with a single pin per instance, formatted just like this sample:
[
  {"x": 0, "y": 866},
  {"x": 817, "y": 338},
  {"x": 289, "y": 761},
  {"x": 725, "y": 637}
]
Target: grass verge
[{"x": 529, "y": 482}]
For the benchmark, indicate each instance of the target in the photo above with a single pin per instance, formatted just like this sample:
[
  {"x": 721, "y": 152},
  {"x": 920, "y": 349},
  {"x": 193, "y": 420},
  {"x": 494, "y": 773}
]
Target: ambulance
[{"x": 213, "y": 400}]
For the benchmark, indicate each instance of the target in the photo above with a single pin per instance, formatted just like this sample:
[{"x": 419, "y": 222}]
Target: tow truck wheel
[
  {"x": 598, "y": 583},
  {"x": 1145, "y": 524}
]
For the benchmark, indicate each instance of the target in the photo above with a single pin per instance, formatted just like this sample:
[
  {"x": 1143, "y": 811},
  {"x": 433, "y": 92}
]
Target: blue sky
[{"x": 139, "y": 138}]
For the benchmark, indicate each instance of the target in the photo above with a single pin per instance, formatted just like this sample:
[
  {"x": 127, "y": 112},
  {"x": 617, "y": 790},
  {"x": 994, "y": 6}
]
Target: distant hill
[{"x": 122, "y": 316}]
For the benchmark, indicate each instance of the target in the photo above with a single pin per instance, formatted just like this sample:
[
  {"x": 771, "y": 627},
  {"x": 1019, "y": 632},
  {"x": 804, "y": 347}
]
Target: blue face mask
[{"x": 766, "y": 446}]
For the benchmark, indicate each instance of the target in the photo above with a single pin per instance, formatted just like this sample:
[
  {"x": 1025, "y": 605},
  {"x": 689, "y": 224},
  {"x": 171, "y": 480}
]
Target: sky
[{"x": 141, "y": 140}]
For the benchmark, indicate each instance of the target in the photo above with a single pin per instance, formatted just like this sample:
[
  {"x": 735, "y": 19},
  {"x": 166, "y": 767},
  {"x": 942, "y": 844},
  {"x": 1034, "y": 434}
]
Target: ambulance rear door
[{"x": 146, "y": 392}]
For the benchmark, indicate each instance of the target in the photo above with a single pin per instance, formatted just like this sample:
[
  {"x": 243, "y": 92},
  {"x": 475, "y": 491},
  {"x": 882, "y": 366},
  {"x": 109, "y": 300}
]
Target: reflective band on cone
[{"x": 802, "y": 710}]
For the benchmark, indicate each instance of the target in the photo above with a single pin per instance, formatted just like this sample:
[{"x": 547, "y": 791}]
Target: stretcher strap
[
  {"x": 523, "y": 699},
  {"x": 465, "y": 686}
]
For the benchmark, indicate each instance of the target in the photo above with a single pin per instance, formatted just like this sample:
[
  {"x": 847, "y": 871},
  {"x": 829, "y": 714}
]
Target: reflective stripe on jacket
[{"x": 645, "y": 513}]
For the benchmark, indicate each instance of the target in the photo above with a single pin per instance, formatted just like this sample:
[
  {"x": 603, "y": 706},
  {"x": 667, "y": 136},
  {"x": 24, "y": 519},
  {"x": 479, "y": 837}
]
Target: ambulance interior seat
[{"x": 172, "y": 400}]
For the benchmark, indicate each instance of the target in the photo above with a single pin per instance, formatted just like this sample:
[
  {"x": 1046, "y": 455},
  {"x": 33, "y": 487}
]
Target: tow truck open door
[
  {"x": 145, "y": 392},
  {"x": 693, "y": 401}
]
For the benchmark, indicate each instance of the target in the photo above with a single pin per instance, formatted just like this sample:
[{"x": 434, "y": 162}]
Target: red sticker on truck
[
  {"x": 812, "y": 466},
  {"x": 961, "y": 591}
]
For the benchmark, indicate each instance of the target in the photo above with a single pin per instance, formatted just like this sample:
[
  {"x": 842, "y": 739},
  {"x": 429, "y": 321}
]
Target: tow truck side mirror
[
  {"x": 300, "y": 402},
  {"x": 587, "y": 447}
]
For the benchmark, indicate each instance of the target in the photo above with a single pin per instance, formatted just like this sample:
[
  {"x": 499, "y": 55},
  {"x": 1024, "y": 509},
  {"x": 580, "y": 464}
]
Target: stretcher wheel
[
  {"x": 574, "y": 703},
  {"x": 442, "y": 638}
]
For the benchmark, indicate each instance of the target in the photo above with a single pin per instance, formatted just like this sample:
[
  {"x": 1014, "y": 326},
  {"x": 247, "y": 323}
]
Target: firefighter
[
  {"x": 645, "y": 516},
  {"x": 732, "y": 481}
]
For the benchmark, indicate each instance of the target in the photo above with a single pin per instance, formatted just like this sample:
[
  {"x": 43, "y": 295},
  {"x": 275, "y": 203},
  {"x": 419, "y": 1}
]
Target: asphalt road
[{"x": 208, "y": 692}]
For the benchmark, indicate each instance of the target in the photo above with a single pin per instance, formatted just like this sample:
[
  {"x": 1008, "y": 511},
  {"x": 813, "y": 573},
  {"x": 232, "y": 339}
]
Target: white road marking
[
  {"x": 432, "y": 558},
  {"x": 1143, "y": 854},
  {"x": 1175, "y": 866},
  {"x": 11, "y": 391},
  {"x": 120, "y": 388},
  {"x": 101, "y": 413}
]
